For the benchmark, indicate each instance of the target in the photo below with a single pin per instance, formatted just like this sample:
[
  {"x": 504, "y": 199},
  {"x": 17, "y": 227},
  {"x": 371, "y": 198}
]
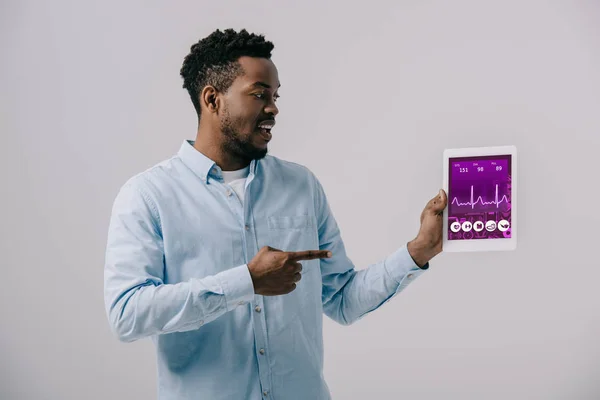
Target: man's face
[{"x": 249, "y": 109}]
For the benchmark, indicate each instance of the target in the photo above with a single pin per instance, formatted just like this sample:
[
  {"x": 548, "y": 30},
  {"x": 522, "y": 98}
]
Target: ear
[{"x": 209, "y": 99}]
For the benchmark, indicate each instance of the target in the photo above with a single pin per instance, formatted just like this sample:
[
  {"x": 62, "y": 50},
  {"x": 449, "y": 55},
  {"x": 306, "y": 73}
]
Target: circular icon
[
  {"x": 466, "y": 226},
  {"x": 503, "y": 225},
  {"x": 478, "y": 226},
  {"x": 455, "y": 227},
  {"x": 490, "y": 225}
]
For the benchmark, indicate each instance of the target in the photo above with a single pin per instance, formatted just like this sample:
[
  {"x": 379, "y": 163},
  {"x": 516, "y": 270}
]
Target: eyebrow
[{"x": 262, "y": 84}]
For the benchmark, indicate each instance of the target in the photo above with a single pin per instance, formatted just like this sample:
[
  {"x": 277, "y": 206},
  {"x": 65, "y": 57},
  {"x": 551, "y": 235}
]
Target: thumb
[{"x": 439, "y": 202}]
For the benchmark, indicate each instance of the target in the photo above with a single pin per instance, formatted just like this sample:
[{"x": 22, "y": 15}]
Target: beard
[{"x": 236, "y": 143}]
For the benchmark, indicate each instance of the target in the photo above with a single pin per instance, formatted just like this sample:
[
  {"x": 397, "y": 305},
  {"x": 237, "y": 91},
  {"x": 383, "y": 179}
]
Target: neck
[{"x": 208, "y": 144}]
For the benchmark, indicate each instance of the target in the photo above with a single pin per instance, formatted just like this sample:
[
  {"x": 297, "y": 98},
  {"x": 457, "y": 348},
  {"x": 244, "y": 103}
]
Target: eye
[{"x": 261, "y": 96}]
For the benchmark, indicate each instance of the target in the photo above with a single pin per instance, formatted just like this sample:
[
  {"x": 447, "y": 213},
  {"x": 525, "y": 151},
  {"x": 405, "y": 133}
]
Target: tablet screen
[{"x": 479, "y": 197}]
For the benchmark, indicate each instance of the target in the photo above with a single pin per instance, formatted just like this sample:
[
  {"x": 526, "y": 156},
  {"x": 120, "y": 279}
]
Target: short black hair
[{"x": 214, "y": 60}]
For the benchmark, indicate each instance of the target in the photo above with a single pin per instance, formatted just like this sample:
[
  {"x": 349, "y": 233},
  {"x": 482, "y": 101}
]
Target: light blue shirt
[{"x": 176, "y": 271}]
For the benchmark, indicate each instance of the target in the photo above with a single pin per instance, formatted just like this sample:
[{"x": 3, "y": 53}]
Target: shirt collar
[{"x": 203, "y": 166}]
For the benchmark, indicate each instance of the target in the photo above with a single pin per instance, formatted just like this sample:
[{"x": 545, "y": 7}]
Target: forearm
[
  {"x": 368, "y": 289},
  {"x": 155, "y": 308}
]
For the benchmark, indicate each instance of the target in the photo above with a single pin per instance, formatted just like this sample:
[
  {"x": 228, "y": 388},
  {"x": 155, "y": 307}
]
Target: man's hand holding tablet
[{"x": 428, "y": 242}]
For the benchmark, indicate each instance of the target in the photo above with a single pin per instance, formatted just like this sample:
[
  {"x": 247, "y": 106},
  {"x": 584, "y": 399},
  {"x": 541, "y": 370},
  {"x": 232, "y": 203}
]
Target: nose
[{"x": 271, "y": 108}]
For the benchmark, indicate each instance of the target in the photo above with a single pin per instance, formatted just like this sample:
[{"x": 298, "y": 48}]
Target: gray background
[{"x": 371, "y": 95}]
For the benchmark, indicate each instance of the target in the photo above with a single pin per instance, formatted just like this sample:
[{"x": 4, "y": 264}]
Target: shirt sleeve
[
  {"x": 347, "y": 294},
  {"x": 138, "y": 303}
]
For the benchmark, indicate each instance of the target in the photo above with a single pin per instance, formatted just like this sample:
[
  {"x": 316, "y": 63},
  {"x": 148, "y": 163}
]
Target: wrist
[{"x": 419, "y": 252}]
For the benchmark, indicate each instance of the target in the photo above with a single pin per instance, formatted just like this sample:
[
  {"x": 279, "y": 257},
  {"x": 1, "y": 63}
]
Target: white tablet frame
[{"x": 498, "y": 244}]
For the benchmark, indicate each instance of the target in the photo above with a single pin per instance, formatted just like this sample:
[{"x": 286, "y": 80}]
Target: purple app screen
[{"x": 479, "y": 197}]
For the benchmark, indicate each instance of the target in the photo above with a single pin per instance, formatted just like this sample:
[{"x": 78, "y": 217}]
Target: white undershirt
[{"x": 237, "y": 181}]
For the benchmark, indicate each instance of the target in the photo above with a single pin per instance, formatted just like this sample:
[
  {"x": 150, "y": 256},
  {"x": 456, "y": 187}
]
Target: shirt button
[
  {"x": 265, "y": 393},
  {"x": 229, "y": 193},
  {"x": 257, "y": 309},
  {"x": 262, "y": 351},
  {"x": 247, "y": 227},
  {"x": 409, "y": 276}
]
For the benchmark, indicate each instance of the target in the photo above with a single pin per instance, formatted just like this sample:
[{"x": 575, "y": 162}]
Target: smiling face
[{"x": 248, "y": 110}]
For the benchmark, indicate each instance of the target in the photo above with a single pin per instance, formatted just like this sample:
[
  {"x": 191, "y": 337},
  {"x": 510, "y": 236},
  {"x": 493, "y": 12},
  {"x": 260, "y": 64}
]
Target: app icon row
[{"x": 502, "y": 225}]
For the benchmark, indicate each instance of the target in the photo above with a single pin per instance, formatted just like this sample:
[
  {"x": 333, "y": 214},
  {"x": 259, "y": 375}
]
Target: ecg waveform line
[{"x": 480, "y": 199}]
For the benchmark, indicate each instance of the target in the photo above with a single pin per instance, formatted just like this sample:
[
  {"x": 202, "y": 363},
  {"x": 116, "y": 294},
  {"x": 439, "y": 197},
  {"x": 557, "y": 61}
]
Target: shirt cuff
[
  {"x": 400, "y": 265},
  {"x": 237, "y": 286}
]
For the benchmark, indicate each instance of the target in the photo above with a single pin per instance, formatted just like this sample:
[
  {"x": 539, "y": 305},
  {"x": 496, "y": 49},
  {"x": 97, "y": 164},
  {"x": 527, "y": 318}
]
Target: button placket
[{"x": 250, "y": 247}]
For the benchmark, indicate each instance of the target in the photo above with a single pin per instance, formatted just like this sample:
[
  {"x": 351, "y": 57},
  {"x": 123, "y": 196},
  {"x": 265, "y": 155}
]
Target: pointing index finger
[{"x": 309, "y": 254}]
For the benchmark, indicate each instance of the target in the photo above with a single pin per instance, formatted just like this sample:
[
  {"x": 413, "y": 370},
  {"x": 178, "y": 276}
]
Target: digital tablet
[{"x": 481, "y": 185}]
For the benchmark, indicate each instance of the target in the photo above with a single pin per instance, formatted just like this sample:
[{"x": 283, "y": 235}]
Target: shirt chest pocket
[{"x": 292, "y": 232}]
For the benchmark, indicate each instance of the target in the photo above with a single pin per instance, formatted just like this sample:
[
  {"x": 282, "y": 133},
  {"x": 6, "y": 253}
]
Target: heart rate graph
[
  {"x": 496, "y": 201},
  {"x": 479, "y": 198}
]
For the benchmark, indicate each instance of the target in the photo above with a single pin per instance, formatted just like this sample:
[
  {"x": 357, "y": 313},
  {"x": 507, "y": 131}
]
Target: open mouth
[{"x": 264, "y": 128}]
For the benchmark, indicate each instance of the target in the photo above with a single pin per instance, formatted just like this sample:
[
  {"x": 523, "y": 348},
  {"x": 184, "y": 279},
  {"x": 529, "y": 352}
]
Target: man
[{"x": 228, "y": 257}]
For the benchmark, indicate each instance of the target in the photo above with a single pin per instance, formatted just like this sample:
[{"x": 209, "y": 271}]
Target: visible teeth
[{"x": 266, "y": 124}]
